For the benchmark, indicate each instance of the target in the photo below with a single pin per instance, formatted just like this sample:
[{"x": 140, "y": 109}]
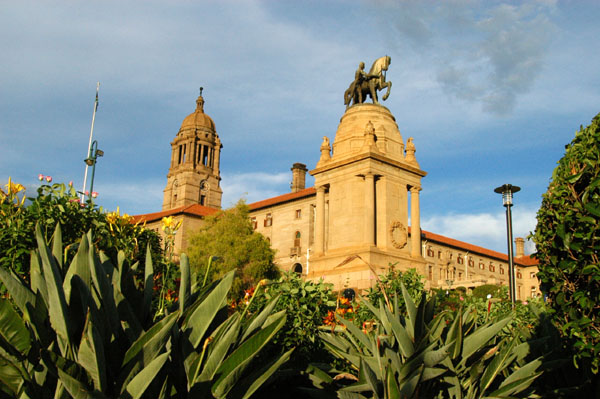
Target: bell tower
[{"x": 194, "y": 176}]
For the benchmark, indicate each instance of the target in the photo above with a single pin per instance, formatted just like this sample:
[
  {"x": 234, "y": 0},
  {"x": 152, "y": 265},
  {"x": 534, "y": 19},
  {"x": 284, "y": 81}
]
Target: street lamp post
[
  {"x": 507, "y": 191},
  {"x": 91, "y": 161}
]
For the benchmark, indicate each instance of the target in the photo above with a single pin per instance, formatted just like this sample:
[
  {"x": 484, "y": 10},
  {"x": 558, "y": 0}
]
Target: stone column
[
  {"x": 320, "y": 222},
  {"x": 217, "y": 156},
  {"x": 370, "y": 209},
  {"x": 415, "y": 221}
]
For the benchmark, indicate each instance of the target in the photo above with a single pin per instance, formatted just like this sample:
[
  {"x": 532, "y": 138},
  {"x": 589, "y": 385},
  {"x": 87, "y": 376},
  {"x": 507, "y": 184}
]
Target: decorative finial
[{"x": 201, "y": 88}]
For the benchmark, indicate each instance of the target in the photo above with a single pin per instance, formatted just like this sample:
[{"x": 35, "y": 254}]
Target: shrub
[
  {"x": 487, "y": 289},
  {"x": 567, "y": 238},
  {"x": 60, "y": 203}
]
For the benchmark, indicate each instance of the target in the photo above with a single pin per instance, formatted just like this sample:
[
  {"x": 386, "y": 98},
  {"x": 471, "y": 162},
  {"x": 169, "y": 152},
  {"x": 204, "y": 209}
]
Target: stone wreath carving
[{"x": 398, "y": 234}]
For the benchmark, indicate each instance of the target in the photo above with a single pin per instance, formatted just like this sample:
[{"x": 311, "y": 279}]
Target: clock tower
[{"x": 194, "y": 176}]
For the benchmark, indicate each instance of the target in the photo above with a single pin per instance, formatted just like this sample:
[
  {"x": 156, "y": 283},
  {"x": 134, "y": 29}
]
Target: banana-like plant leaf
[
  {"x": 57, "y": 306},
  {"x": 219, "y": 350},
  {"x": 259, "y": 320},
  {"x": 355, "y": 331},
  {"x": 57, "y": 245},
  {"x": 11, "y": 378},
  {"x": 200, "y": 319},
  {"x": 481, "y": 336},
  {"x": 138, "y": 385},
  {"x": 412, "y": 312},
  {"x": 522, "y": 373},
  {"x": 498, "y": 363},
  {"x": 368, "y": 375},
  {"x": 231, "y": 370},
  {"x": 91, "y": 355},
  {"x": 79, "y": 267},
  {"x": 184, "y": 284},
  {"x": 103, "y": 288},
  {"x": 12, "y": 329},
  {"x": 405, "y": 343},
  {"x": 391, "y": 385},
  {"x": 149, "y": 284},
  {"x": 77, "y": 389},
  {"x": 147, "y": 343},
  {"x": 246, "y": 387},
  {"x": 38, "y": 284},
  {"x": 19, "y": 292}
]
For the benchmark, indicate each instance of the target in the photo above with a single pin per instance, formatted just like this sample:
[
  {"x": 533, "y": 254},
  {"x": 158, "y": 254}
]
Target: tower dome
[
  {"x": 194, "y": 176},
  {"x": 198, "y": 119}
]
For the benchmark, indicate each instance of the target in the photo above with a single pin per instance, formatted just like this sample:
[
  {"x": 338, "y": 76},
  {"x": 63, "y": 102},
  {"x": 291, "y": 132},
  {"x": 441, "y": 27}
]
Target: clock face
[{"x": 204, "y": 186}]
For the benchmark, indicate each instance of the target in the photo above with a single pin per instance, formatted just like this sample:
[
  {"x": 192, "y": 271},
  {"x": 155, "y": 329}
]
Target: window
[
  {"x": 519, "y": 275},
  {"x": 430, "y": 273},
  {"x": 492, "y": 268},
  {"x": 254, "y": 222},
  {"x": 501, "y": 270},
  {"x": 430, "y": 252},
  {"x": 481, "y": 266},
  {"x": 298, "y": 213},
  {"x": 532, "y": 275},
  {"x": 439, "y": 254},
  {"x": 297, "y": 237},
  {"x": 471, "y": 261},
  {"x": 268, "y": 220},
  {"x": 460, "y": 259},
  {"x": 459, "y": 275}
]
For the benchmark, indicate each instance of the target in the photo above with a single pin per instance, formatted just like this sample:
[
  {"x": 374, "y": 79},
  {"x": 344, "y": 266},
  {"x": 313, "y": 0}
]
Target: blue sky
[{"x": 491, "y": 92}]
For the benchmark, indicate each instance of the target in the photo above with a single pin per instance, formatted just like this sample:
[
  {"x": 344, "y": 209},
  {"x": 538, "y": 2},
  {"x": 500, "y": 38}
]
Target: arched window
[{"x": 297, "y": 268}]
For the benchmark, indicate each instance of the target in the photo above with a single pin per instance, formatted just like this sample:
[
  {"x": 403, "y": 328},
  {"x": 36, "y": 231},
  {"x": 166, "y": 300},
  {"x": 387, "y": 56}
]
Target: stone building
[{"x": 357, "y": 220}]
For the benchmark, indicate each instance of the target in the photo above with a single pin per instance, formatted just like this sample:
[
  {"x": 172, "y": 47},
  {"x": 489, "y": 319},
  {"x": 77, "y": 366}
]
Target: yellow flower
[
  {"x": 13, "y": 188},
  {"x": 169, "y": 223}
]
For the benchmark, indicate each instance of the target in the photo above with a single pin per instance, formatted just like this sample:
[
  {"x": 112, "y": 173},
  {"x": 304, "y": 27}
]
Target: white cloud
[
  {"x": 253, "y": 186},
  {"x": 483, "y": 229}
]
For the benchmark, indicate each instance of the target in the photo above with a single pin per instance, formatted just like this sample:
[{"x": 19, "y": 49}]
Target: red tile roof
[
  {"x": 194, "y": 210},
  {"x": 307, "y": 192},
  {"x": 522, "y": 261}
]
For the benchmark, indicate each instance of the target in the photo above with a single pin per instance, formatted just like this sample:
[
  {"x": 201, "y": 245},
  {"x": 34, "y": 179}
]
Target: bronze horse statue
[{"x": 369, "y": 84}]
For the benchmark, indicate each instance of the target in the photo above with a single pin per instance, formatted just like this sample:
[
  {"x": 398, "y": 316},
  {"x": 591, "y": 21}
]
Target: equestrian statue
[{"x": 368, "y": 84}]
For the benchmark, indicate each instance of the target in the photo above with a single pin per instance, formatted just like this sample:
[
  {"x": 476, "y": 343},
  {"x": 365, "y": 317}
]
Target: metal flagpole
[{"x": 90, "y": 143}]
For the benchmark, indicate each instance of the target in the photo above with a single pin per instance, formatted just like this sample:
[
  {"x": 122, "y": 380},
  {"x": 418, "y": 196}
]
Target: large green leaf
[
  {"x": 76, "y": 388},
  {"x": 259, "y": 319},
  {"x": 57, "y": 306},
  {"x": 57, "y": 245},
  {"x": 232, "y": 368},
  {"x": 12, "y": 329},
  {"x": 91, "y": 355},
  {"x": 152, "y": 340},
  {"x": 498, "y": 363},
  {"x": 79, "y": 267},
  {"x": 184, "y": 284},
  {"x": 138, "y": 385},
  {"x": 475, "y": 341},
  {"x": 245, "y": 388},
  {"x": 148, "y": 284},
  {"x": 218, "y": 352},
  {"x": 200, "y": 319},
  {"x": 18, "y": 291}
]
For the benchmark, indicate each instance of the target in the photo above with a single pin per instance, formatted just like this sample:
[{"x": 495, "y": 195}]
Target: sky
[{"x": 490, "y": 91}]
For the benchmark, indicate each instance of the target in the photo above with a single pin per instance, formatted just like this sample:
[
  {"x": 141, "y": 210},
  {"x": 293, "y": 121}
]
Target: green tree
[
  {"x": 567, "y": 237},
  {"x": 229, "y": 237}
]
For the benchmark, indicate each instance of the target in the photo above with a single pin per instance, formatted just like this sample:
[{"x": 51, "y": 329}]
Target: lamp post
[
  {"x": 507, "y": 191},
  {"x": 91, "y": 161}
]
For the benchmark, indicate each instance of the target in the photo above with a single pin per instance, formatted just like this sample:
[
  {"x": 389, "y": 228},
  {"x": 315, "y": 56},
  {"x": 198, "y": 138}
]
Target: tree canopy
[{"x": 229, "y": 237}]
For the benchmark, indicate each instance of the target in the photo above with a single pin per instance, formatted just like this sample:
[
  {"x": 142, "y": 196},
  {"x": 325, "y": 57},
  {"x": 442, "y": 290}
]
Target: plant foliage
[
  {"x": 567, "y": 238},
  {"x": 229, "y": 239},
  {"x": 86, "y": 330}
]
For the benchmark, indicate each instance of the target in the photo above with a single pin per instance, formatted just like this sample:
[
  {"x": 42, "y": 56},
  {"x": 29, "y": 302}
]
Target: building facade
[{"x": 359, "y": 218}]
